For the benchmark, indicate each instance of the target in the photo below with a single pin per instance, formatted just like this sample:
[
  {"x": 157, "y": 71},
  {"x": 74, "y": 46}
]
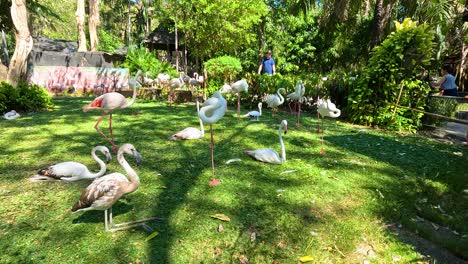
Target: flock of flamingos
[{"x": 105, "y": 190}]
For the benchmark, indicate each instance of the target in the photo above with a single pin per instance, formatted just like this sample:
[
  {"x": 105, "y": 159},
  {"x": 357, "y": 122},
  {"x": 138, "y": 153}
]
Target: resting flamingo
[
  {"x": 255, "y": 114},
  {"x": 326, "y": 108},
  {"x": 298, "y": 97},
  {"x": 109, "y": 102},
  {"x": 268, "y": 155},
  {"x": 213, "y": 109},
  {"x": 275, "y": 100},
  {"x": 175, "y": 83},
  {"x": 103, "y": 192},
  {"x": 73, "y": 171},
  {"x": 190, "y": 132}
]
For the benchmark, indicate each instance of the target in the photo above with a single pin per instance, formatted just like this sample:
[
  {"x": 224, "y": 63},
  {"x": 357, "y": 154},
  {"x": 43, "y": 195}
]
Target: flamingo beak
[
  {"x": 285, "y": 129},
  {"x": 108, "y": 156},
  {"x": 137, "y": 156}
]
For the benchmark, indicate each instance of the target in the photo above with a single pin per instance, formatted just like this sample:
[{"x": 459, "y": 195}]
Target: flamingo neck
[
  {"x": 260, "y": 110},
  {"x": 283, "y": 150},
  {"x": 131, "y": 174},
  {"x": 129, "y": 103},
  {"x": 202, "y": 129},
  {"x": 280, "y": 96},
  {"x": 101, "y": 163}
]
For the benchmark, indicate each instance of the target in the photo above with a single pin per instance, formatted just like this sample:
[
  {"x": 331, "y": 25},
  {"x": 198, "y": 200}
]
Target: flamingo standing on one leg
[
  {"x": 326, "y": 108},
  {"x": 275, "y": 100},
  {"x": 103, "y": 192},
  {"x": 298, "y": 96},
  {"x": 213, "y": 109},
  {"x": 268, "y": 155},
  {"x": 109, "y": 102},
  {"x": 239, "y": 87},
  {"x": 255, "y": 114},
  {"x": 190, "y": 132},
  {"x": 73, "y": 171}
]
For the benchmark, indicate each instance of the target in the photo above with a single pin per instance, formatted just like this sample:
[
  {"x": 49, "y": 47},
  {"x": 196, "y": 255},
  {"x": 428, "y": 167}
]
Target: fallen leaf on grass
[
  {"x": 253, "y": 236},
  {"x": 305, "y": 259},
  {"x": 222, "y": 217},
  {"x": 288, "y": 171},
  {"x": 153, "y": 235},
  {"x": 243, "y": 259},
  {"x": 458, "y": 154},
  {"x": 233, "y": 160},
  {"x": 220, "y": 228}
]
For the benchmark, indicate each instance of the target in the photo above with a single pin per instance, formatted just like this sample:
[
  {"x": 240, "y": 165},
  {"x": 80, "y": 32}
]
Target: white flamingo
[
  {"x": 268, "y": 155},
  {"x": 326, "y": 108},
  {"x": 239, "y": 87},
  {"x": 275, "y": 100},
  {"x": 175, "y": 83},
  {"x": 103, "y": 192},
  {"x": 213, "y": 109},
  {"x": 73, "y": 171},
  {"x": 11, "y": 115},
  {"x": 255, "y": 114},
  {"x": 298, "y": 97},
  {"x": 190, "y": 132}
]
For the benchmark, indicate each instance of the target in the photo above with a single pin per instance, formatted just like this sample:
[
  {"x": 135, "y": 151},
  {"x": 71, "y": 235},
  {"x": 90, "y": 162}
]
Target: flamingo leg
[
  {"x": 96, "y": 126},
  {"x": 238, "y": 106},
  {"x": 112, "y": 135},
  {"x": 298, "y": 125},
  {"x": 105, "y": 221},
  {"x": 212, "y": 152},
  {"x": 290, "y": 109},
  {"x": 322, "y": 151}
]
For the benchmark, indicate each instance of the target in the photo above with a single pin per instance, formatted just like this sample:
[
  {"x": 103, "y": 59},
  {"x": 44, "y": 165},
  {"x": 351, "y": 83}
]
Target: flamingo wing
[
  {"x": 102, "y": 193},
  {"x": 265, "y": 155}
]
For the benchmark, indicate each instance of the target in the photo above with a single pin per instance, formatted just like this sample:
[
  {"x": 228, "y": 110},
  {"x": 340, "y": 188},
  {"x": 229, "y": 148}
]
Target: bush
[
  {"x": 23, "y": 98},
  {"x": 224, "y": 68},
  {"x": 139, "y": 59},
  {"x": 394, "y": 64},
  {"x": 108, "y": 42}
]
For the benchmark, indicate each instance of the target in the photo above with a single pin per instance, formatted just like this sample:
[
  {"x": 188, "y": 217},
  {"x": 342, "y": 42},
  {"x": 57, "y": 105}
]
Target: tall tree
[
  {"x": 24, "y": 41},
  {"x": 382, "y": 15},
  {"x": 93, "y": 22},
  {"x": 80, "y": 21}
]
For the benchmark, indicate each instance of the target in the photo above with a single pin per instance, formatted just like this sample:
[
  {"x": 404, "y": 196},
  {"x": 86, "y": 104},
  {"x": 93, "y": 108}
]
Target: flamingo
[
  {"x": 190, "y": 132},
  {"x": 73, "y": 171},
  {"x": 236, "y": 88},
  {"x": 103, "y": 192},
  {"x": 268, "y": 155},
  {"x": 275, "y": 100},
  {"x": 255, "y": 114},
  {"x": 175, "y": 83},
  {"x": 298, "y": 96},
  {"x": 326, "y": 108},
  {"x": 11, "y": 115},
  {"x": 109, "y": 102},
  {"x": 213, "y": 109}
]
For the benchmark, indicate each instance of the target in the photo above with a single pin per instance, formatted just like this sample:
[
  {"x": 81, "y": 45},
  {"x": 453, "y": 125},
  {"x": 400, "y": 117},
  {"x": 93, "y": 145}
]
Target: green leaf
[{"x": 153, "y": 235}]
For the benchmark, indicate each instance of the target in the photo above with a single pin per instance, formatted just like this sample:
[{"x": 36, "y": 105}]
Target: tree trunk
[
  {"x": 382, "y": 14},
  {"x": 93, "y": 23},
  {"x": 80, "y": 21},
  {"x": 464, "y": 53},
  {"x": 367, "y": 8},
  {"x": 24, "y": 41},
  {"x": 177, "y": 47}
]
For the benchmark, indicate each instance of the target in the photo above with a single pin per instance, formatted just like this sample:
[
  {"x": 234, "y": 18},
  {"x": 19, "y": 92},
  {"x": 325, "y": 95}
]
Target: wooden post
[{"x": 398, "y": 100}]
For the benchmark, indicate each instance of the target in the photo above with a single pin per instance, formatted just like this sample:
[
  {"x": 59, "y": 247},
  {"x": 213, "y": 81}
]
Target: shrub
[
  {"x": 225, "y": 68},
  {"x": 394, "y": 64},
  {"x": 24, "y": 97},
  {"x": 108, "y": 42},
  {"x": 139, "y": 59}
]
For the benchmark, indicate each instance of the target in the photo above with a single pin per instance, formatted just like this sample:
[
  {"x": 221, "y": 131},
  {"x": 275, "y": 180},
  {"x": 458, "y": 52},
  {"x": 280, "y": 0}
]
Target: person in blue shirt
[
  {"x": 267, "y": 65},
  {"x": 447, "y": 82}
]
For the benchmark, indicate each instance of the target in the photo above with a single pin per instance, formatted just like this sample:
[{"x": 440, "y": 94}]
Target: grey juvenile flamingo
[
  {"x": 109, "y": 102},
  {"x": 103, "y": 192}
]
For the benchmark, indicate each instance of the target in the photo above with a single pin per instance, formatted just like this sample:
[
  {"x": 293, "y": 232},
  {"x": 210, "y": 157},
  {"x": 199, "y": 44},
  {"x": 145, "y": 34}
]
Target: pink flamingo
[{"x": 109, "y": 102}]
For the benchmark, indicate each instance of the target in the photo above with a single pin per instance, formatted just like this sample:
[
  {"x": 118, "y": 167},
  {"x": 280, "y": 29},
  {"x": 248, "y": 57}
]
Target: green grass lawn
[{"x": 342, "y": 207}]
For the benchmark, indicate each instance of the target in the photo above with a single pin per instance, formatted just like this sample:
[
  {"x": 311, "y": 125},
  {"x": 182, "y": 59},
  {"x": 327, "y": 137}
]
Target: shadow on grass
[{"x": 423, "y": 184}]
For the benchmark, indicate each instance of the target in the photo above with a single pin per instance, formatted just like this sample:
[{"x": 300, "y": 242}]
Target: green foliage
[
  {"x": 24, "y": 97},
  {"x": 224, "y": 68},
  {"x": 398, "y": 60},
  {"x": 108, "y": 42},
  {"x": 139, "y": 59}
]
